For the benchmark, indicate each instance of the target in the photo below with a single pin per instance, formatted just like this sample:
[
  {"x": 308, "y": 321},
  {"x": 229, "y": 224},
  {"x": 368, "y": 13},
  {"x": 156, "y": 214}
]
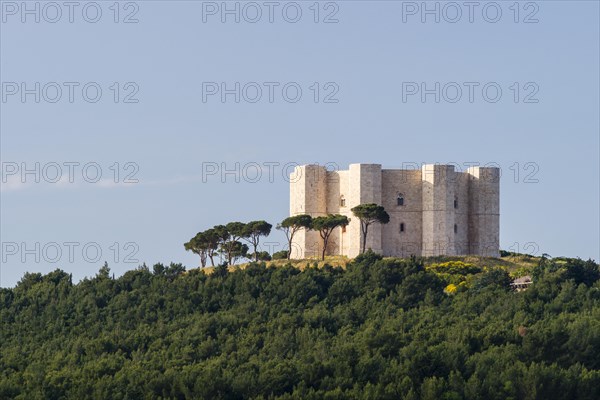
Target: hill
[
  {"x": 515, "y": 263},
  {"x": 377, "y": 329}
]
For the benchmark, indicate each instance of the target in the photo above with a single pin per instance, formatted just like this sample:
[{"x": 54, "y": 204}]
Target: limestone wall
[
  {"x": 406, "y": 183},
  {"x": 461, "y": 214}
]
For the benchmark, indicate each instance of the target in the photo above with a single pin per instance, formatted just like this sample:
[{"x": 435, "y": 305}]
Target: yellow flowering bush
[
  {"x": 454, "y": 268},
  {"x": 451, "y": 289}
]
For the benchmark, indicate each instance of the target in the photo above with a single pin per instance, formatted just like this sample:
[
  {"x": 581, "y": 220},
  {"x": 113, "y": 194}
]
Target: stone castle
[{"x": 433, "y": 211}]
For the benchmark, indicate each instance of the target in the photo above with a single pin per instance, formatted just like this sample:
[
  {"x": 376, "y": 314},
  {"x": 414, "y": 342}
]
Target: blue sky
[{"x": 542, "y": 130}]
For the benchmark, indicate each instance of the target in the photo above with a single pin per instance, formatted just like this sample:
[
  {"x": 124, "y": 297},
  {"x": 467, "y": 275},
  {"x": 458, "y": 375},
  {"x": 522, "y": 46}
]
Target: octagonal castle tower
[{"x": 434, "y": 210}]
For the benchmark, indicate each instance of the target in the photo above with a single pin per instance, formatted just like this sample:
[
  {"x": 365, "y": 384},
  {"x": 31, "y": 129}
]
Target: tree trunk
[
  {"x": 364, "y": 229},
  {"x": 290, "y": 239},
  {"x": 325, "y": 240}
]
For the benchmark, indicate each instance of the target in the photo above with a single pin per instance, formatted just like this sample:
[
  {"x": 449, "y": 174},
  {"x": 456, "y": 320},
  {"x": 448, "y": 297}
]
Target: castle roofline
[{"x": 426, "y": 166}]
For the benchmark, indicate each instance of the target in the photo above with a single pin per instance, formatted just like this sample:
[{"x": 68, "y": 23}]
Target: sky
[{"x": 127, "y": 127}]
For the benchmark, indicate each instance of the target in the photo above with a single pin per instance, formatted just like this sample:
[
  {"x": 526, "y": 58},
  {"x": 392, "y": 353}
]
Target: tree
[
  {"x": 204, "y": 244},
  {"x": 221, "y": 236},
  {"x": 232, "y": 233},
  {"x": 280, "y": 255},
  {"x": 291, "y": 225},
  {"x": 253, "y": 231},
  {"x": 586, "y": 272},
  {"x": 195, "y": 246},
  {"x": 494, "y": 278},
  {"x": 326, "y": 225},
  {"x": 261, "y": 256},
  {"x": 212, "y": 238},
  {"x": 369, "y": 214},
  {"x": 234, "y": 250},
  {"x": 235, "y": 231}
]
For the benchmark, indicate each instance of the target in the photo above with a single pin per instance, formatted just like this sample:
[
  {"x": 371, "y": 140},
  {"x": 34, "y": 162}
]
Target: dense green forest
[{"x": 377, "y": 329}]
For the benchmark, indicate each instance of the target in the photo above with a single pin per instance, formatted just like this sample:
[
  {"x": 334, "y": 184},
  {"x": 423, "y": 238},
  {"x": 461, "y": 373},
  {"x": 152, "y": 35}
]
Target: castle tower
[
  {"x": 484, "y": 215},
  {"x": 364, "y": 187},
  {"x": 308, "y": 195},
  {"x": 439, "y": 225}
]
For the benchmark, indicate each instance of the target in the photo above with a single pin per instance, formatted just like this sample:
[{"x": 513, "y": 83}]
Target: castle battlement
[{"x": 434, "y": 210}]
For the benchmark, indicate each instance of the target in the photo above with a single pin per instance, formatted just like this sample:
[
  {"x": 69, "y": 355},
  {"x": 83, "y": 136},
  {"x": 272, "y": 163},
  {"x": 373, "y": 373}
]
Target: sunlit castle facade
[{"x": 434, "y": 210}]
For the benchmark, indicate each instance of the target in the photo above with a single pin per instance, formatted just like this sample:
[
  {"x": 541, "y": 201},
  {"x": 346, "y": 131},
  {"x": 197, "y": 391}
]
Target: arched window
[
  {"x": 400, "y": 199},
  {"x": 455, "y": 202},
  {"x": 342, "y": 201},
  {"x": 401, "y": 226},
  {"x": 455, "y": 228}
]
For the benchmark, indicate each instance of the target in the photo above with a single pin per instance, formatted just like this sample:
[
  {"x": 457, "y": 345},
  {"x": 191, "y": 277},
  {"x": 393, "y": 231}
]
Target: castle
[{"x": 434, "y": 210}]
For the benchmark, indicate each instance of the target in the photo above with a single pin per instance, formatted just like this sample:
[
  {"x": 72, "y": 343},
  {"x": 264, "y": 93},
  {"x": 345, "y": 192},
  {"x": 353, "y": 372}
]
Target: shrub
[{"x": 280, "y": 255}]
